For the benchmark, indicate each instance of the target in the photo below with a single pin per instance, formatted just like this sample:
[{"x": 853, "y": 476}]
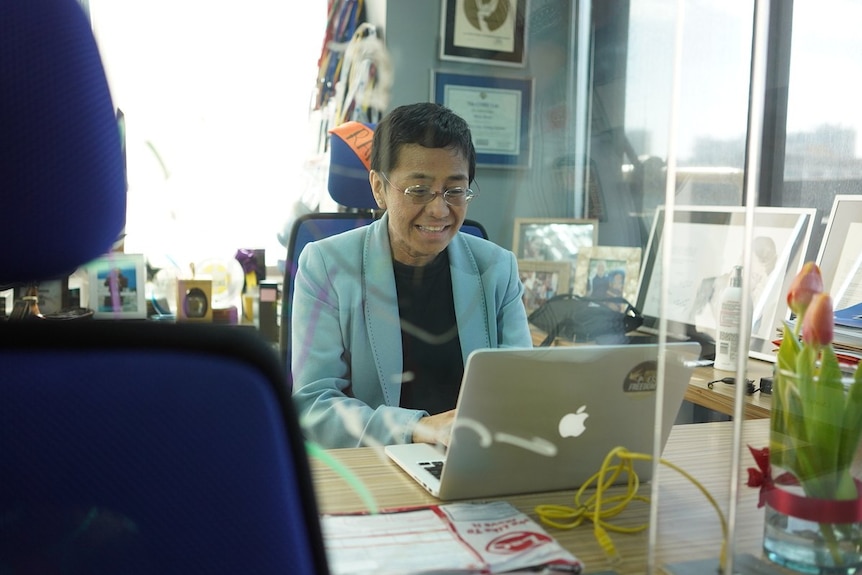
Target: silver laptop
[{"x": 544, "y": 419}]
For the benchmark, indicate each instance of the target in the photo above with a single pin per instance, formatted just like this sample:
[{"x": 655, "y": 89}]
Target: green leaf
[
  {"x": 786, "y": 414},
  {"x": 788, "y": 350},
  {"x": 851, "y": 426},
  {"x": 789, "y": 443},
  {"x": 824, "y": 417}
]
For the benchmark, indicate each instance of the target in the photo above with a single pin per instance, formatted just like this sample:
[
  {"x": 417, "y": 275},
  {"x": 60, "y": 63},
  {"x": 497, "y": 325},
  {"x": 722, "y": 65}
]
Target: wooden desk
[
  {"x": 721, "y": 397},
  {"x": 688, "y": 527}
]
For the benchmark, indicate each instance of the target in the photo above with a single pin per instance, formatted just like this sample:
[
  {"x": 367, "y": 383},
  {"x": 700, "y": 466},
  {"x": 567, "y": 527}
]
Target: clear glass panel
[
  {"x": 713, "y": 101},
  {"x": 606, "y": 161},
  {"x": 823, "y": 152}
]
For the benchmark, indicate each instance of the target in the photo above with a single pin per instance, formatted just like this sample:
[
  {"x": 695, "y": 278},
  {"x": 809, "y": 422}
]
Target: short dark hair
[{"x": 427, "y": 124}]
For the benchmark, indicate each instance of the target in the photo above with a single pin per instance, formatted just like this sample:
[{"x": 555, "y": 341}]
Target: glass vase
[
  {"x": 812, "y": 525},
  {"x": 811, "y": 547}
]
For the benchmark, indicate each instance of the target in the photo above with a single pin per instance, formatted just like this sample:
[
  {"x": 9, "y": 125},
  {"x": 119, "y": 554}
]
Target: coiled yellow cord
[{"x": 599, "y": 509}]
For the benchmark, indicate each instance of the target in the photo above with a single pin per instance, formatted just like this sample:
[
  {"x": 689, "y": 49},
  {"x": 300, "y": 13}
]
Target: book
[{"x": 850, "y": 317}]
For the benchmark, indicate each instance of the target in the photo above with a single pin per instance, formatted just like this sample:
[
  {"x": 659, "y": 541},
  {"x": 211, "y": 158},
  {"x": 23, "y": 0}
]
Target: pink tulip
[
  {"x": 818, "y": 325},
  {"x": 806, "y": 284}
]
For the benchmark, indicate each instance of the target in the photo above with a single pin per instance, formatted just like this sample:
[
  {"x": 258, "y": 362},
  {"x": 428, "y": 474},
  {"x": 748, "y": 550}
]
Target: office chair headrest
[
  {"x": 62, "y": 178},
  {"x": 349, "y": 164}
]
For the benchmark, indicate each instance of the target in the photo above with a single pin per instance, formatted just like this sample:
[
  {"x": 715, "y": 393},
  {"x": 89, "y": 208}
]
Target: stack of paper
[
  {"x": 454, "y": 538},
  {"x": 848, "y": 331},
  {"x": 847, "y": 338}
]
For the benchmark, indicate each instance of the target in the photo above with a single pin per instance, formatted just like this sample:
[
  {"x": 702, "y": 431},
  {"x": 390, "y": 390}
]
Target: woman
[{"x": 385, "y": 316}]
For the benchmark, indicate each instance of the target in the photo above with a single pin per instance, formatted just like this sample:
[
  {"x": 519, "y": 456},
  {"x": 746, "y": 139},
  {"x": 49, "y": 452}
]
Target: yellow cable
[{"x": 599, "y": 509}]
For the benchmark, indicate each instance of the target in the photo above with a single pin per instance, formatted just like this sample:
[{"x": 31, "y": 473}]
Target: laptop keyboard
[{"x": 435, "y": 468}]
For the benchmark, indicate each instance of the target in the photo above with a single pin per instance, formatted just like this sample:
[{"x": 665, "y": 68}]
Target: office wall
[{"x": 411, "y": 30}]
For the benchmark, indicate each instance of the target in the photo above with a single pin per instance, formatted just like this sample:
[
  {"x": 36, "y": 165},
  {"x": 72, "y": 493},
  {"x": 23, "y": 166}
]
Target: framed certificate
[
  {"x": 487, "y": 31},
  {"x": 498, "y": 111}
]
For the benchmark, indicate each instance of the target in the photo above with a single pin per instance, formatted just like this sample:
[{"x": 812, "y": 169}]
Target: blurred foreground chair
[
  {"x": 136, "y": 447},
  {"x": 348, "y": 185}
]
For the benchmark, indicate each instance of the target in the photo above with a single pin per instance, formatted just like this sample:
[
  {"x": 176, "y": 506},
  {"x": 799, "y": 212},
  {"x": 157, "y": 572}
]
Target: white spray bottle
[{"x": 727, "y": 344}]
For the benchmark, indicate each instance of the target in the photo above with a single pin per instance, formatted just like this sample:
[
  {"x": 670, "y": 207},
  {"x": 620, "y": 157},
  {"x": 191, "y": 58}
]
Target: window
[
  {"x": 822, "y": 153},
  {"x": 215, "y": 97}
]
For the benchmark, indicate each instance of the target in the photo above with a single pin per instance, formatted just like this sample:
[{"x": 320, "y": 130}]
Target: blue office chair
[
  {"x": 348, "y": 185},
  {"x": 124, "y": 447}
]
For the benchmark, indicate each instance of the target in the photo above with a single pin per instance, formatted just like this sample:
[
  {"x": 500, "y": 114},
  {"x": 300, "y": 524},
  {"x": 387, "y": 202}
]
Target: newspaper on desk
[{"x": 453, "y": 538}]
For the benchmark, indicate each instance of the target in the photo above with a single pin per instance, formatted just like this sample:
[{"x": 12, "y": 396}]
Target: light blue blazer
[{"x": 346, "y": 355}]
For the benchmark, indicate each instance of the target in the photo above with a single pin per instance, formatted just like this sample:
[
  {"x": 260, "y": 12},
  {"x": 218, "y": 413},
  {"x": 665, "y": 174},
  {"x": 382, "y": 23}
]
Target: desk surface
[
  {"x": 688, "y": 527},
  {"x": 722, "y": 396}
]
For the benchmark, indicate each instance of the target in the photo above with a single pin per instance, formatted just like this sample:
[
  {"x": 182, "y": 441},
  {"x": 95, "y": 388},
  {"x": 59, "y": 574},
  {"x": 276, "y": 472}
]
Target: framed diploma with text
[
  {"x": 487, "y": 31},
  {"x": 497, "y": 110}
]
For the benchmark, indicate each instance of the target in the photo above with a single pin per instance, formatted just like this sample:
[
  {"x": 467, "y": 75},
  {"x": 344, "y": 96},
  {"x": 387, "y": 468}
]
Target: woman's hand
[{"x": 435, "y": 428}]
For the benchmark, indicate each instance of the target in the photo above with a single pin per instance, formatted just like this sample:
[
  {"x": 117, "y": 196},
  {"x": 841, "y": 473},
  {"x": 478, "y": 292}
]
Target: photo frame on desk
[
  {"x": 608, "y": 271},
  {"x": 484, "y": 32},
  {"x": 542, "y": 281},
  {"x": 498, "y": 111},
  {"x": 554, "y": 239},
  {"x": 707, "y": 242},
  {"x": 116, "y": 285},
  {"x": 53, "y": 295},
  {"x": 839, "y": 257}
]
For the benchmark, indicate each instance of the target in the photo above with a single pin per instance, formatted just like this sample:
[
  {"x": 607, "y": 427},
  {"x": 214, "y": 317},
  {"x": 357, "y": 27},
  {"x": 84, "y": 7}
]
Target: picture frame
[
  {"x": 608, "y": 271},
  {"x": 194, "y": 300},
  {"x": 542, "y": 281},
  {"x": 707, "y": 242},
  {"x": 53, "y": 295},
  {"x": 554, "y": 239},
  {"x": 498, "y": 111},
  {"x": 497, "y": 37},
  {"x": 839, "y": 258},
  {"x": 116, "y": 286}
]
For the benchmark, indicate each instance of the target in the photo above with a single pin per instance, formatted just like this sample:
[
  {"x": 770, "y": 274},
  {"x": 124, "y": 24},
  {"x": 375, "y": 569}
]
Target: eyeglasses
[{"x": 425, "y": 195}]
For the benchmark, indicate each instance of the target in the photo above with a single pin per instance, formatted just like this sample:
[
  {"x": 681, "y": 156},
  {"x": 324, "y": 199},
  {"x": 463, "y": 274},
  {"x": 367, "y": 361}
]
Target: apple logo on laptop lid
[{"x": 573, "y": 424}]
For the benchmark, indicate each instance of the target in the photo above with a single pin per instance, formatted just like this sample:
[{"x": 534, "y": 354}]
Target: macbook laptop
[{"x": 544, "y": 419}]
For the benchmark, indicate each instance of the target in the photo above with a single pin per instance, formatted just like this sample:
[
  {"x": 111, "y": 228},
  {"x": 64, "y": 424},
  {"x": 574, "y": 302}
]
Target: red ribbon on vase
[{"x": 799, "y": 506}]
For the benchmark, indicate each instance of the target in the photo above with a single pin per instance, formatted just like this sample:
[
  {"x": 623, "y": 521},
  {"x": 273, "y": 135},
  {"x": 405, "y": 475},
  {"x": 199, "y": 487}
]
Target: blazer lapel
[
  {"x": 471, "y": 307},
  {"x": 380, "y": 306}
]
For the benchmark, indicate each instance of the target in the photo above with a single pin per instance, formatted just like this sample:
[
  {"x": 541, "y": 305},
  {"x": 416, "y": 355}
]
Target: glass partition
[{"x": 622, "y": 113}]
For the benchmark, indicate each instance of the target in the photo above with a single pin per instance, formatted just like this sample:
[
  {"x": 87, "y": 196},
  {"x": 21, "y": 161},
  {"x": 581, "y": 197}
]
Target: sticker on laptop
[{"x": 643, "y": 377}]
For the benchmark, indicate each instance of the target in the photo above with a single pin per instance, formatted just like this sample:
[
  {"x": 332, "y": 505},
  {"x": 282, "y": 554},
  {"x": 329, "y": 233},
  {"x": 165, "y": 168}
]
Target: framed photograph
[
  {"x": 608, "y": 271},
  {"x": 542, "y": 281},
  {"x": 708, "y": 241},
  {"x": 117, "y": 284},
  {"x": 498, "y": 110},
  {"x": 194, "y": 300},
  {"x": 839, "y": 258},
  {"x": 53, "y": 295},
  {"x": 486, "y": 31},
  {"x": 554, "y": 240}
]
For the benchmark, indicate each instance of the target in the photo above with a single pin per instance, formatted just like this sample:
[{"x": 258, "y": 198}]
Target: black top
[{"x": 433, "y": 365}]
